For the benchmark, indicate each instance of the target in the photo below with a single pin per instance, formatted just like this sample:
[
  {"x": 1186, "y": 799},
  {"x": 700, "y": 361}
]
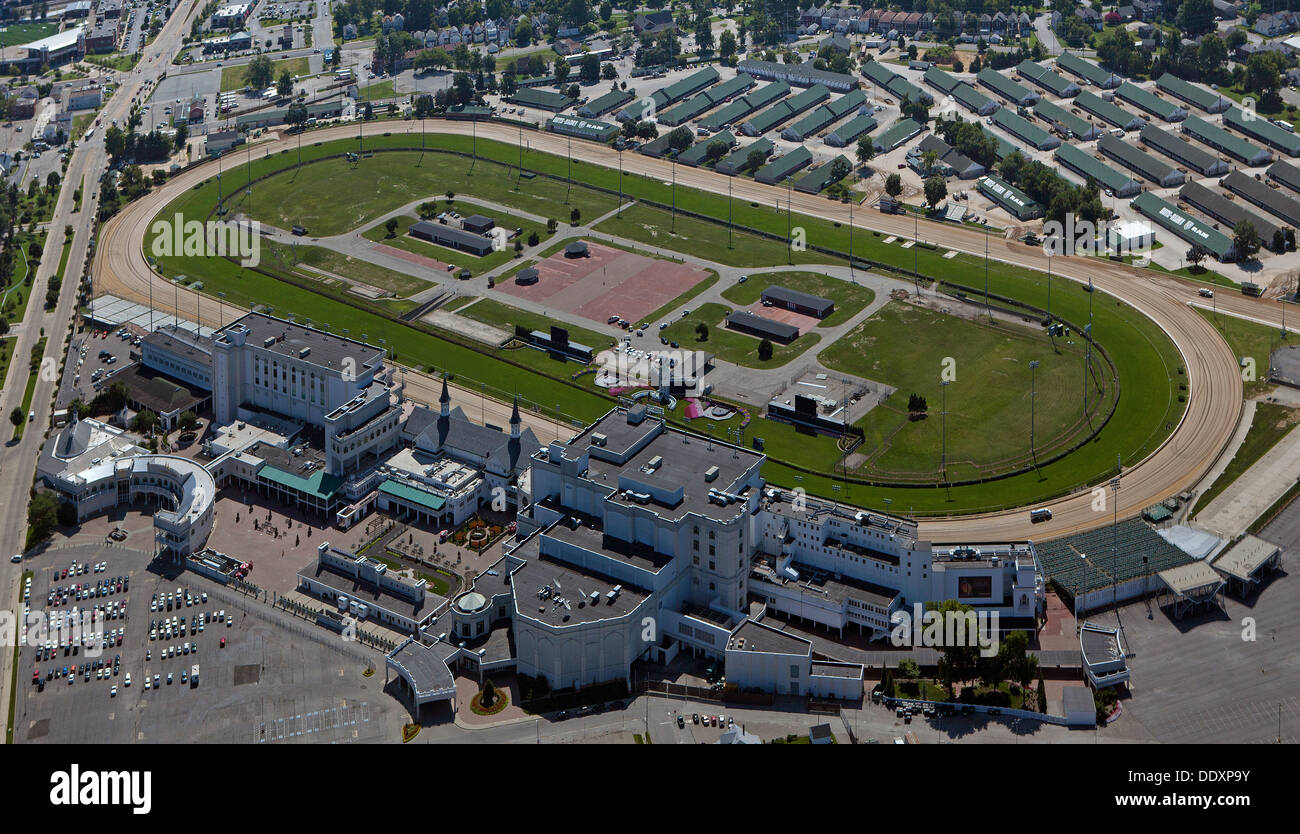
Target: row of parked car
[
  {"x": 169, "y": 599},
  {"x": 61, "y": 595}
]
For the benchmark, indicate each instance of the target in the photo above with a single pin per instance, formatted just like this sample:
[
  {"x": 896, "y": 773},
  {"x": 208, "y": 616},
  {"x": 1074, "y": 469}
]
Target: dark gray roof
[
  {"x": 566, "y": 581},
  {"x": 763, "y": 638},
  {"x": 458, "y": 433},
  {"x": 775, "y": 329},
  {"x": 803, "y": 299},
  {"x": 1213, "y": 203},
  {"x": 1271, "y": 199},
  {"x": 327, "y": 349},
  {"x": 450, "y": 235}
]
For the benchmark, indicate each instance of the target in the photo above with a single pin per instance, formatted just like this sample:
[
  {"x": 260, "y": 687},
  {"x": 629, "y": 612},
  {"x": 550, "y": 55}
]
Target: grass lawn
[
  {"x": 647, "y": 224},
  {"x": 19, "y": 33},
  {"x": 377, "y": 91},
  {"x": 398, "y": 283},
  {"x": 80, "y": 122},
  {"x": 13, "y": 301},
  {"x": 1272, "y": 422},
  {"x": 1248, "y": 340},
  {"x": 849, "y": 298},
  {"x": 1149, "y": 368},
  {"x": 236, "y": 78},
  {"x": 6, "y": 354},
  {"x": 311, "y": 197},
  {"x": 122, "y": 61},
  {"x": 38, "y": 350},
  {"x": 988, "y": 400},
  {"x": 730, "y": 345},
  {"x": 504, "y": 316}
]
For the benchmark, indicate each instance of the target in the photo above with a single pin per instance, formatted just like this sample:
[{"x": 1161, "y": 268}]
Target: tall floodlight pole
[
  {"x": 851, "y": 276},
  {"x": 1033, "y": 397},
  {"x": 620, "y": 182},
  {"x": 1114, "y": 541},
  {"x": 729, "y": 244},
  {"x": 789, "y": 207},
  {"x": 673, "y": 163},
  {"x": 473, "y": 141},
  {"x": 943, "y": 431},
  {"x": 916, "y": 253},
  {"x": 987, "y": 309}
]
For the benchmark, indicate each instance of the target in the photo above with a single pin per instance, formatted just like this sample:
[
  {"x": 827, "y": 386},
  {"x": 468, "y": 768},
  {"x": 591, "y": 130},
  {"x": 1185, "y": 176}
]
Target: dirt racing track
[{"x": 1214, "y": 384}]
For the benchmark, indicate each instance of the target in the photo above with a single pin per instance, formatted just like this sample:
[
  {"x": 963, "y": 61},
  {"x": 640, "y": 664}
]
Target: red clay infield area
[
  {"x": 609, "y": 282},
  {"x": 799, "y": 320}
]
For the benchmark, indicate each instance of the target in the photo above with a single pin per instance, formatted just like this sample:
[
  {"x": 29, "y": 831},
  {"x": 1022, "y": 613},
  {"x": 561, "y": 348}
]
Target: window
[
  {"x": 794, "y": 670},
  {"x": 711, "y": 567}
]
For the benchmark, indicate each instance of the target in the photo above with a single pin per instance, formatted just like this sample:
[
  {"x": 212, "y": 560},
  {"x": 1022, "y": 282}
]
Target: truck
[{"x": 194, "y": 676}]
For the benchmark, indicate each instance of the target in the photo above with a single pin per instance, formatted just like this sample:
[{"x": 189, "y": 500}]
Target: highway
[{"x": 88, "y": 162}]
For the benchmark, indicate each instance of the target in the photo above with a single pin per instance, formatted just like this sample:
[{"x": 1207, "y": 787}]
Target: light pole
[
  {"x": 987, "y": 309},
  {"x": 1033, "y": 397},
  {"x": 851, "y": 276},
  {"x": 673, "y": 163},
  {"x": 620, "y": 182},
  {"x": 943, "y": 431},
  {"x": 729, "y": 243}
]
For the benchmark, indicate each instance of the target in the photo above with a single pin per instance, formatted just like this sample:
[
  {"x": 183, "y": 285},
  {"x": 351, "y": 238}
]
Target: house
[
  {"x": 654, "y": 23},
  {"x": 24, "y": 105},
  {"x": 221, "y": 141},
  {"x": 836, "y": 43},
  {"x": 1225, "y": 10},
  {"x": 1274, "y": 24},
  {"x": 821, "y": 734},
  {"x": 1090, "y": 16}
]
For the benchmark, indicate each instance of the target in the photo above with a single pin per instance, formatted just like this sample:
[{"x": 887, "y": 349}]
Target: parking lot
[
  {"x": 309, "y": 685},
  {"x": 93, "y": 357}
]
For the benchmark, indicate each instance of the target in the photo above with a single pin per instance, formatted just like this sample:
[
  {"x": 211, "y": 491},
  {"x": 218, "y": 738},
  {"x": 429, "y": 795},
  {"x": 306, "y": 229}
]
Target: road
[
  {"x": 88, "y": 162},
  {"x": 1214, "y": 400}
]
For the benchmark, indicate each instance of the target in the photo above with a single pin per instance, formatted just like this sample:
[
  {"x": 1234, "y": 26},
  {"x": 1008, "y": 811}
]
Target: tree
[
  {"x": 284, "y": 84},
  {"x": 894, "y": 185},
  {"x": 765, "y": 350},
  {"x": 701, "y": 332},
  {"x": 715, "y": 150},
  {"x": 1196, "y": 17},
  {"x": 589, "y": 71},
  {"x": 561, "y": 70},
  {"x": 1042, "y": 693},
  {"x": 727, "y": 44},
  {"x": 144, "y": 422},
  {"x": 908, "y": 668},
  {"x": 936, "y": 188},
  {"x": 957, "y": 663},
  {"x": 17, "y": 417},
  {"x": 188, "y": 421},
  {"x": 489, "y": 694},
  {"x": 259, "y": 72},
  {"x": 608, "y": 72},
  {"x": 391, "y": 226},
  {"x": 680, "y": 139},
  {"x": 1195, "y": 255},
  {"x": 297, "y": 113},
  {"x": 754, "y": 160},
  {"x": 42, "y": 517},
  {"x": 574, "y": 216},
  {"x": 866, "y": 150},
  {"x": 1245, "y": 238}
]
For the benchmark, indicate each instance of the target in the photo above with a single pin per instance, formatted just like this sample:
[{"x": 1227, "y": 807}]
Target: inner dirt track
[{"x": 1214, "y": 395}]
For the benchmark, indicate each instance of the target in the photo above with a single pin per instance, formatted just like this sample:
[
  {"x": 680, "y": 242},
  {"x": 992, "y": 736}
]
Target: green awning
[
  {"x": 428, "y": 500},
  {"x": 317, "y": 484}
]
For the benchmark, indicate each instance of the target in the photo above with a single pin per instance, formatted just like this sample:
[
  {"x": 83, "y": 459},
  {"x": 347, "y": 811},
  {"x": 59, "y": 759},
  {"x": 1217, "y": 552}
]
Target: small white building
[{"x": 1133, "y": 236}]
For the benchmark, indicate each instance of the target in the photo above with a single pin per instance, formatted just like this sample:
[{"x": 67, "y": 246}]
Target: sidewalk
[{"x": 1257, "y": 489}]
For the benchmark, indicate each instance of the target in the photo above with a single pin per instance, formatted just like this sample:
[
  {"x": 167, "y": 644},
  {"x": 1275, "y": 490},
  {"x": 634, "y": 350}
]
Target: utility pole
[
  {"x": 789, "y": 207},
  {"x": 620, "y": 182},
  {"x": 851, "y": 276}
]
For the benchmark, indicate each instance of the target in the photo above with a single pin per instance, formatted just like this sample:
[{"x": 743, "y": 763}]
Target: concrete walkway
[{"x": 1257, "y": 489}]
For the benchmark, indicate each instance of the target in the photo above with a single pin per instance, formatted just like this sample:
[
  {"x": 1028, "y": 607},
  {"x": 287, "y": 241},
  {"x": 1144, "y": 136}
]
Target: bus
[{"x": 89, "y": 134}]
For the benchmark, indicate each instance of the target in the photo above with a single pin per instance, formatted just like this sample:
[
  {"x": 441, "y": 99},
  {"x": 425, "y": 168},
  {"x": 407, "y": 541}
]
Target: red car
[{"x": 223, "y": 642}]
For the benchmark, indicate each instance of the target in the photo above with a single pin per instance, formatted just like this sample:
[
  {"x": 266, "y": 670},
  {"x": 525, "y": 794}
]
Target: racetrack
[{"x": 1214, "y": 384}]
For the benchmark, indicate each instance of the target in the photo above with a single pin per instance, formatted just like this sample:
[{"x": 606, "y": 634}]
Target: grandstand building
[{"x": 645, "y": 541}]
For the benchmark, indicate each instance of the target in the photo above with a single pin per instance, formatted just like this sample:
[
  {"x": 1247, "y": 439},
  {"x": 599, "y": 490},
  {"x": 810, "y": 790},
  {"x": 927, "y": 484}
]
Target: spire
[
  {"x": 514, "y": 420},
  {"x": 445, "y": 399}
]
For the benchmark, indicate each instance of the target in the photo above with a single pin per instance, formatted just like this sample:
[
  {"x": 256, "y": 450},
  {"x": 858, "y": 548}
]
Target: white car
[
  {"x": 112, "y": 693},
  {"x": 127, "y": 680},
  {"x": 1204, "y": 293},
  {"x": 16, "y": 558}
]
